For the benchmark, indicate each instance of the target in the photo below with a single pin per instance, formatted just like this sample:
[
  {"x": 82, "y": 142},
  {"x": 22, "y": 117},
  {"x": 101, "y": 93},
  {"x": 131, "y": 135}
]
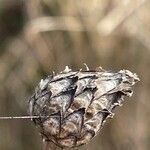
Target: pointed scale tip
[
  {"x": 128, "y": 73},
  {"x": 67, "y": 69},
  {"x": 86, "y": 66}
]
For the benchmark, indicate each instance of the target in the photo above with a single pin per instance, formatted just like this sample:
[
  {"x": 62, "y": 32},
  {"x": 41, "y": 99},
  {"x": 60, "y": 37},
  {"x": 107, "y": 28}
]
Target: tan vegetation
[{"x": 41, "y": 36}]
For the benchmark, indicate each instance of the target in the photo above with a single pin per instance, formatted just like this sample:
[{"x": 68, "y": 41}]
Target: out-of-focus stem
[{"x": 47, "y": 145}]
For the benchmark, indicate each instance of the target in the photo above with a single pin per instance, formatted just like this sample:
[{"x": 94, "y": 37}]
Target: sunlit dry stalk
[
  {"x": 140, "y": 32},
  {"x": 68, "y": 23},
  {"x": 117, "y": 16},
  {"x": 78, "y": 103},
  {"x": 43, "y": 24}
]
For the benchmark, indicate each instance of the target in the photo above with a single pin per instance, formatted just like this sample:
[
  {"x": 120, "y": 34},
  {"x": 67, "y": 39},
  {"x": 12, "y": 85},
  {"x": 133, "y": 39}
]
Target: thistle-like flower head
[{"x": 76, "y": 103}]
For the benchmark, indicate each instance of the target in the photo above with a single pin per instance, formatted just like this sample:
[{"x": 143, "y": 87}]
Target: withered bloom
[{"x": 76, "y": 103}]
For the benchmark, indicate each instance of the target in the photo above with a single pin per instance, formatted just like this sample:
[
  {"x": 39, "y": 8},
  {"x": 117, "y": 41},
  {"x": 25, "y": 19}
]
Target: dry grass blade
[
  {"x": 45, "y": 24},
  {"x": 117, "y": 16}
]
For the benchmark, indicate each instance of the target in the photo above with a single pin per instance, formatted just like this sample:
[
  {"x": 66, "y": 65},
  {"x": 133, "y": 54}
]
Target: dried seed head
[{"x": 78, "y": 103}]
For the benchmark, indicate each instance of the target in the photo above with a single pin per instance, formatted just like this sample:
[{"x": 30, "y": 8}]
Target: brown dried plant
[{"x": 76, "y": 104}]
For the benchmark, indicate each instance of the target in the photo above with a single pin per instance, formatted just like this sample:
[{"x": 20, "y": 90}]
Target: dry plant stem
[
  {"x": 43, "y": 24},
  {"x": 107, "y": 25},
  {"x": 47, "y": 145}
]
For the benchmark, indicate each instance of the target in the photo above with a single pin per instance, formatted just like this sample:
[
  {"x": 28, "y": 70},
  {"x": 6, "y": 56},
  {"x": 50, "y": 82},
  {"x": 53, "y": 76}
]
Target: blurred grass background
[{"x": 41, "y": 36}]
